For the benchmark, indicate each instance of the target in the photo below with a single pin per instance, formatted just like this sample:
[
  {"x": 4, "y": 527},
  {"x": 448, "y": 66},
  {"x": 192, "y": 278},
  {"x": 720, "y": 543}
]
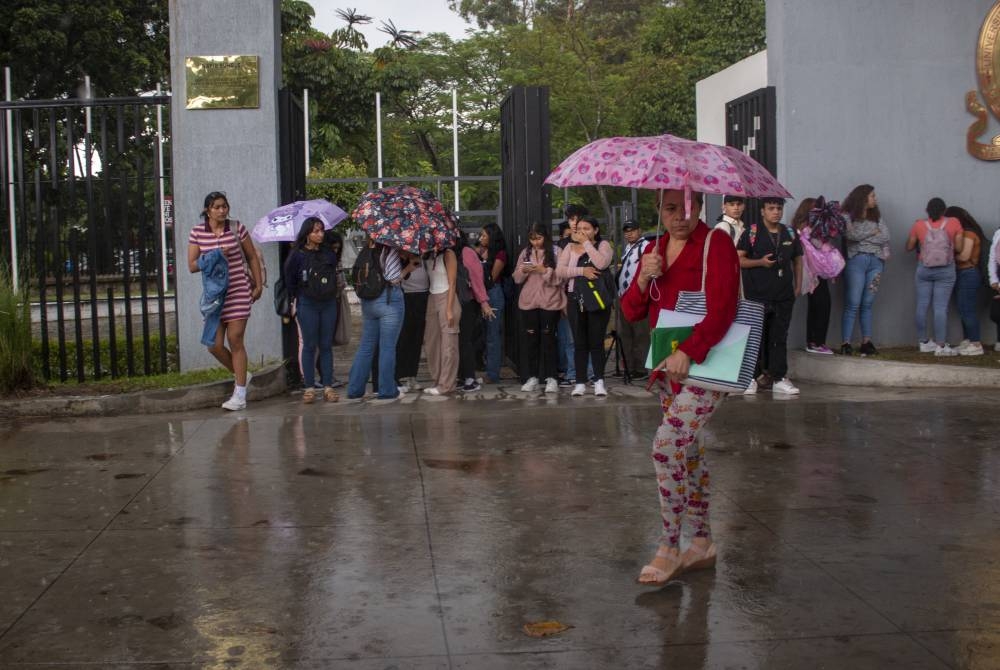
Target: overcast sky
[{"x": 426, "y": 16}]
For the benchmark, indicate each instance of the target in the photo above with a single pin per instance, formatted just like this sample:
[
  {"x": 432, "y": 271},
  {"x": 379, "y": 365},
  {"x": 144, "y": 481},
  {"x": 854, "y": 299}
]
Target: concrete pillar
[{"x": 230, "y": 150}]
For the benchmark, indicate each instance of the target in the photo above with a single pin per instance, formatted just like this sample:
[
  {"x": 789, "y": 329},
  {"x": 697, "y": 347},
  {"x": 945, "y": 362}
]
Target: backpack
[
  {"x": 282, "y": 303},
  {"x": 321, "y": 278},
  {"x": 463, "y": 284},
  {"x": 937, "y": 249},
  {"x": 367, "y": 275}
]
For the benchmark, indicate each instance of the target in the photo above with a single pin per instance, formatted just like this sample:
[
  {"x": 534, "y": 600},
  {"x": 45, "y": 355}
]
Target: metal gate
[
  {"x": 750, "y": 127},
  {"x": 86, "y": 229}
]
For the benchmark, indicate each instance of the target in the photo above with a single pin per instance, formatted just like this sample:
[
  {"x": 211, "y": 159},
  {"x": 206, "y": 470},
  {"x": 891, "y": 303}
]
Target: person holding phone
[{"x": 540, "y": 304}]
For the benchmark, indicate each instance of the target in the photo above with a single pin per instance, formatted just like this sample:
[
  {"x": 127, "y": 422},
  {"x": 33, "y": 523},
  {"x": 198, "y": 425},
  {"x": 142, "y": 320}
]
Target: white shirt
[
  {"x": 732, "y": 227},
  {"x": 994, "y": 258}
]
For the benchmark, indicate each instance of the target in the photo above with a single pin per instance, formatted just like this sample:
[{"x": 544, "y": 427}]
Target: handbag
[
  {"x": 731, "y": 363},
  {"x": 342, "y": 331},
  {"x": 594, "y": 295},
  {"x": 282, "y": 303}
]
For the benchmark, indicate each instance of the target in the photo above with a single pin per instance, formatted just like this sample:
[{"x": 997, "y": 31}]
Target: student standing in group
[
  {"x": 581, "y": 264},
  {"x": 441, "y": 328},
  {"x": 771, "y": 258},
  {"x": 679, "y": 456},
  {"x": 475, "y": 311},
  {"x": 867, "y": 242},
  {"x": 415, "y": 285},
  {"x": 731, "y": 219},
  {"x": 993, "y": 271},
  {"x": 634, "y": 334},
  {"x": 968, "y": 279},
  {"x": 564, "y": 333},
  {"x": 310, "y": 275},
  {"x": 818, "y": 313},
  {"x": 492, "y": 250},
  {"x": 334, "y": 241},
  {"x": 936, "y": 239},
  {"x": 540, "y": 304},
  {"x": 233, "y": 241}
]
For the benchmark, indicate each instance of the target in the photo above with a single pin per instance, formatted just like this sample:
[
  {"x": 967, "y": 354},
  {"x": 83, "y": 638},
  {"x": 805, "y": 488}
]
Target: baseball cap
[{"x": 629, "y": 224}]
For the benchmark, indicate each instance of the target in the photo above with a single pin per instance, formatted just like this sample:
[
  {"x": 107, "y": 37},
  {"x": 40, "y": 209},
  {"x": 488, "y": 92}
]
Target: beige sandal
[
  {"x": 330, "y": 395},
  {"x": 650, "y": 575},
  {"x": 699, "y": 559},
  {"x": 308, "y": 396}
]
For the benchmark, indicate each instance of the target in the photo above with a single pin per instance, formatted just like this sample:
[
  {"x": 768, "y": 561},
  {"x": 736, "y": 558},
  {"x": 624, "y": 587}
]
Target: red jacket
[{"x": 722, "y": 285}]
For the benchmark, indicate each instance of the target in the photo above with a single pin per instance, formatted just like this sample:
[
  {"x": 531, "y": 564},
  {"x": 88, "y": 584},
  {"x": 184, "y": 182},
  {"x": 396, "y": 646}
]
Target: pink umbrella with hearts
[{"x": 667, "y": 162}]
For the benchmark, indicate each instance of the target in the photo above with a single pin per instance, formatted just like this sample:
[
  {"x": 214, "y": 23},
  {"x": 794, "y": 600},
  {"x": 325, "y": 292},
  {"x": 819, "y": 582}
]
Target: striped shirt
[
  {"x": 238, "y": 299},
  {"x": 392, "y": 267}
]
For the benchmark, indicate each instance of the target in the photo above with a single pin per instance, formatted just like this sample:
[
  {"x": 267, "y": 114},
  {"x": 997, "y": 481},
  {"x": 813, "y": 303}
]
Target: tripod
[{"x": 621, "y": 359}]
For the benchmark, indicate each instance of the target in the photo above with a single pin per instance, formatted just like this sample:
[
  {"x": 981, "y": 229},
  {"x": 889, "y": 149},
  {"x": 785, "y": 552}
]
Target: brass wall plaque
[
  {"x": 222, "y": 82},
  {"x": 988, "y": 70}
]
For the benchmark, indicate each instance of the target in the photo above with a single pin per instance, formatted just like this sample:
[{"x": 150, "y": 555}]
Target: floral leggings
[{"x": 681, "y": 472}]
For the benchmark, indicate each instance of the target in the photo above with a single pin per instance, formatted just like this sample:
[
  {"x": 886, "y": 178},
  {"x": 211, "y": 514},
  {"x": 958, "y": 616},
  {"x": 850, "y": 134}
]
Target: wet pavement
[{"x": 857, "y": 529}]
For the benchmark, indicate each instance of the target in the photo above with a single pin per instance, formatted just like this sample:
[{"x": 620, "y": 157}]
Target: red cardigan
[{"x": 722, "y": 285}]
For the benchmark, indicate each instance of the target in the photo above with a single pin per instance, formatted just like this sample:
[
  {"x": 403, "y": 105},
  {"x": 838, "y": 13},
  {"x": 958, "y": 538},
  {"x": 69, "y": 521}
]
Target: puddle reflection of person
[{"x": 681, "y": 471}]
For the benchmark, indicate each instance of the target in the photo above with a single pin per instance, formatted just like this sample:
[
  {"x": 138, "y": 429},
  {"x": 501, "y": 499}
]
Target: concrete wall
[
  {"x": 231, "y": 150},
  {"x": 873, "y": 91}
]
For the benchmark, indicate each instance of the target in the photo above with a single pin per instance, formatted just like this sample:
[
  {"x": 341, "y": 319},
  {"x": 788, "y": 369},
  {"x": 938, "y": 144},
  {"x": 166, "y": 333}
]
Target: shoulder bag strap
[{"x": 704, "y": 267}]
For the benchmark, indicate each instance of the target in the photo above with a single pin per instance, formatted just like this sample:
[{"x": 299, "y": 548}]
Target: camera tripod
[{"x": 621, "y": 360}]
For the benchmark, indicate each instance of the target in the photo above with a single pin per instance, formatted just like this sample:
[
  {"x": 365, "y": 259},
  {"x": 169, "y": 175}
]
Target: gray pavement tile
[
  {"x": 30, "y": 562},
  {"x": 869, "y": 652},
  {"x": 201, "y": 596}
]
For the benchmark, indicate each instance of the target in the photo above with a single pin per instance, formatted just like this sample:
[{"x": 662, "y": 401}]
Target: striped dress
[{"x": 238, "y": 300}]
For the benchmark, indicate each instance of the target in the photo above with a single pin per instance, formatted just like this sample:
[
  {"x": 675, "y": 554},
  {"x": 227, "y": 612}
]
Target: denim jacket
[{"x": 214, "y": 282}]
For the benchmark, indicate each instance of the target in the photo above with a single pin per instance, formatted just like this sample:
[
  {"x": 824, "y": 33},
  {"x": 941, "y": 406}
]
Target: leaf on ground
[{"x": 544, "y": 628}]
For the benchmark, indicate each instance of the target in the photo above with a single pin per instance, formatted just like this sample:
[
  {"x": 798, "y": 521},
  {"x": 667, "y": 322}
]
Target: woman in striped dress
[{"x": 219, "y": 232}]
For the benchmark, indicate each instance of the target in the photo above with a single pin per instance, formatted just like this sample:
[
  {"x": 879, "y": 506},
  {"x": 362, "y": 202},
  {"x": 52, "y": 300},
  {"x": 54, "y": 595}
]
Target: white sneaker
[
  {"x": 971, "y": 349},
  {"x": 552, "y": 385},
  {"x": 235, "y": 404},
  {"x": 579, "y": 389},
  {"x": 962, "y": 345},
  {"x": 752, "y": 389},
  {"x": 403, "y": 389},
  {"x": 945, "y": 350},
  {"x": 599, "y": 389},
  {"x": 784, "y": 386},
  {"x": 928, "y": 347},
  {"x": 434, "y": 390},
  {"x": 530, "y": 385}
]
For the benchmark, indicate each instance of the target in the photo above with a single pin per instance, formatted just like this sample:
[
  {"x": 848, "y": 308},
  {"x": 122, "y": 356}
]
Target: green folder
[{"x": 664, "y": 341}]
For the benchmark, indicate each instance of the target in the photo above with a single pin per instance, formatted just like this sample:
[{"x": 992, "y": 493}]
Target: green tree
[{"x": 51, "y": 44}]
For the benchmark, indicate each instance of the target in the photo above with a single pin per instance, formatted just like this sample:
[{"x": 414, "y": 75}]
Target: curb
[
  {"x": 851, "y": 371},
  {"x": 266, "y": 383}
]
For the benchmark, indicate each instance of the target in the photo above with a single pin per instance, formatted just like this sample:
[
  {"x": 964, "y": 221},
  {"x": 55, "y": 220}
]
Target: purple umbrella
[{"x": 283, "y": 223}]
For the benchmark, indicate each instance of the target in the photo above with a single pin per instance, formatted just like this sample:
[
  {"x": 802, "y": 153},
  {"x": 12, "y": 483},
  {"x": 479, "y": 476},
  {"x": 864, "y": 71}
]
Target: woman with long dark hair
[
  {"x": 492, "y": 251},
  {"x": 867, "y": 238},
  {"x": 936, "y": 239},
  {"x": 581, "y": 264},
  {"x": 968, "y": 280},
  {"x": 540, "y": 305},
  {"x": 474, "y": 311},
  {"x": 311, "y": 278},
  {"x": 231, "y": 239}
]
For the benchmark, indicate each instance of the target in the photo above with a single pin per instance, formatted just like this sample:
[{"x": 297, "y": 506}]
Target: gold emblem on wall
[
  {"x": 988, "y": 70},
  {"x": 222, "y": 82}
]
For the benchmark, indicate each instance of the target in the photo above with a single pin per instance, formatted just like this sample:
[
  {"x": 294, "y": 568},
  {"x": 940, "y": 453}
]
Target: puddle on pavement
[
  {"x": 20, "y": 472},
  {"x": 475, "y": 465},
  {"x": 313, "y": 472},
  {"x": 101, "y": 457},
  {"x": 130, "y": 475}
]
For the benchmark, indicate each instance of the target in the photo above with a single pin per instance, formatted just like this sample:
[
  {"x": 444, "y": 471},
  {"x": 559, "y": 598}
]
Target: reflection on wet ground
[{"x": 857, "y": 529}]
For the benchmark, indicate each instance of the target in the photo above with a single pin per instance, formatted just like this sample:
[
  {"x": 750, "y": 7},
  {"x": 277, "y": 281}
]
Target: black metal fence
[
  {"x": 751, "y": 122},
  {"x": 82, "y": 219}
]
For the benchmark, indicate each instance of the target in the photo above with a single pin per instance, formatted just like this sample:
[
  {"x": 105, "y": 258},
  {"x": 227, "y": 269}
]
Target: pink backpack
[{"x": 937, "y": 249}]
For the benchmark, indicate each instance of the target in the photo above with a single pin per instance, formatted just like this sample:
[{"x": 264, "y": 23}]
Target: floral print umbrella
[
  {"x": 667, "y": 162},
  {"x": 408, "y": 218}
]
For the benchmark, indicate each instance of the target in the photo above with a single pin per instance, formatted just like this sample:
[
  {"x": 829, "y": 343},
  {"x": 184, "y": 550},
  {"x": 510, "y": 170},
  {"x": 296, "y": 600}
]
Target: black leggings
[
  {"x": 589, "y": 329},
  {"x": 995, "y": 313},
  {"x": 411, "y": 337},
  {"x": 538, "y": 343},
  {"x": 818, "y": 314},
  {"x": 470, "y": 334}
]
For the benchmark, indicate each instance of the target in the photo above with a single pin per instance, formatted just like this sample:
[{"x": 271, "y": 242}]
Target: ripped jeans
[
  {"x": 538, "y": 343},
  {"x": 862, "y": 276}
]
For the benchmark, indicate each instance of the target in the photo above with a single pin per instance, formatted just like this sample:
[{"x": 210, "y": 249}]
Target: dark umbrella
[{"x": 408, "y": 218}]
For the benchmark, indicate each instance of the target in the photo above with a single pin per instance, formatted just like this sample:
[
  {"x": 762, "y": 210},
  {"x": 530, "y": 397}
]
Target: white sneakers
[
  {"x": 552, "y": 385},
  {"x": 599, "y": 389},
  {"x": 433, "y": 390},
  {"x": 785, "y": 386},
  {"x": 928, "y": 347},
  {"x": 752, "y": 389},
  {"x": 945, "y": 350},
  {"x": 967, "y": 348},
  {"x": 579, "y": 390},
  {"x": 235, "y": 404},
  {"x": 530, "y": 385}
]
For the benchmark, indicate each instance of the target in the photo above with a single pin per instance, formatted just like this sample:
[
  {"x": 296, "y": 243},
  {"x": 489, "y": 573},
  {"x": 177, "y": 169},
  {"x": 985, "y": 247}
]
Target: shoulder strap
[{"x": 704, "y": 266}]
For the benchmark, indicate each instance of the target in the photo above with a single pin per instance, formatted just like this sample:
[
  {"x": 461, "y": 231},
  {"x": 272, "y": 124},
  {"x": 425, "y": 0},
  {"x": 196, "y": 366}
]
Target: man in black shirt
[{"x": 771, "y": 258}]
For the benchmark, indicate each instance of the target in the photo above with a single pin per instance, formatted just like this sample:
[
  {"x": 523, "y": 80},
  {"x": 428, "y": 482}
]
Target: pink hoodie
[{"x": 539, "y": 291}]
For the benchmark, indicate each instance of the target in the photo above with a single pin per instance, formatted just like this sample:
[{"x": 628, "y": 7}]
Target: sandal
[
  {"x": 330, "y": 395},
  {"x": 699, "y": 559},
  {"x": 650, "y": 575},
  {"x": 308, "y": 396}
]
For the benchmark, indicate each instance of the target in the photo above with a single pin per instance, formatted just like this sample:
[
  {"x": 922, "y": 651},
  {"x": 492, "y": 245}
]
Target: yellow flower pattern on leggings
[{"x": 681, "y": 471}]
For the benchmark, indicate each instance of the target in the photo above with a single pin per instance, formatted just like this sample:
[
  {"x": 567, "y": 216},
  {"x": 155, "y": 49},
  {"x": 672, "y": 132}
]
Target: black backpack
[
  {"x": 321, "y": 277},
  {"x": 463, "y": 284},
  {"x": 367, "y": 274}
]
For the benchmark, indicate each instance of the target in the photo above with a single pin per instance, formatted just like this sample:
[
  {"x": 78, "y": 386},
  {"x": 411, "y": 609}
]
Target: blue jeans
[
  {"x": 316, "y": 319},
  {"x": 494, "y": 334},
  {"x": 967, "y": 296},
  {"x": 862, "y": 276},
  {"x": 934, "y": 284},
  {"x": 564, "y": 345},
  {"x": 382, "y": 320}
]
